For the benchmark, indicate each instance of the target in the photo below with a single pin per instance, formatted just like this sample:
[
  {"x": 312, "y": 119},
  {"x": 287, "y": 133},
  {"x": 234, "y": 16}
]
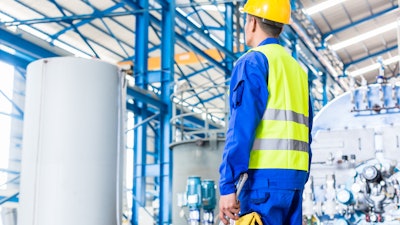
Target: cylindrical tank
[
  {"x": 70, "y": 142},
  {"x": 200, "y": 158}
]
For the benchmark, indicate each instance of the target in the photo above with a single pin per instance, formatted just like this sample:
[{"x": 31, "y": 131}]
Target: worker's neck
[{"x": 259, "y": 38}]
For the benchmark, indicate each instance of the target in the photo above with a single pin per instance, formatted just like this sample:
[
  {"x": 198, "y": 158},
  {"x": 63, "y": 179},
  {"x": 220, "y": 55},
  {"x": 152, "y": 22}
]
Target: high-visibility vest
[{"x": 282, "y": 136}]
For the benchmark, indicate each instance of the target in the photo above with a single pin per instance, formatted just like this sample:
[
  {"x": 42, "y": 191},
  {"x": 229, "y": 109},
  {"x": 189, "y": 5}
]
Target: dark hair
[{"x": 270, "y": 27}]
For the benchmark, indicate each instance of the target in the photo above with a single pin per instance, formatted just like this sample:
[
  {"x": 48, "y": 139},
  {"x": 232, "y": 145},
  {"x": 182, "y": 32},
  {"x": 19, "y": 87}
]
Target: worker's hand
[{"x": 229, "y": 208}]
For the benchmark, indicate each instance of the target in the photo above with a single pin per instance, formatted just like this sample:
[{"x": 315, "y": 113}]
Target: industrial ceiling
[{"x": 343, "y": 37}]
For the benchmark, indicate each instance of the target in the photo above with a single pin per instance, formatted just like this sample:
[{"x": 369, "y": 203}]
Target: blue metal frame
[
  {"x": 27, "y": 50},
  {"x": 167, "y": 76},
  {"x": 20, "y": 114},
  {"x": 371, "y": 56},
  {"x": 13, "y": 59},
  {"x": 205, "y": 35},
  {"x": 12, "y": 198},
  {"x": 355, "y": 23},
  {"x": 140, "y": 136},
  {"x": 229, "y": 14}
]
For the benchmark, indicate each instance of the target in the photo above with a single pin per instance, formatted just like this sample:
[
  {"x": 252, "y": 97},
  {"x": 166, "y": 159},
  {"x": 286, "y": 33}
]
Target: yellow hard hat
[{"x": 274, "y": 10}]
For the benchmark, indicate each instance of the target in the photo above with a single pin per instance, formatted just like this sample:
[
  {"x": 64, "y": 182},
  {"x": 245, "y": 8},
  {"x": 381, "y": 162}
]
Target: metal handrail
[{"x": 184, "y": 128}]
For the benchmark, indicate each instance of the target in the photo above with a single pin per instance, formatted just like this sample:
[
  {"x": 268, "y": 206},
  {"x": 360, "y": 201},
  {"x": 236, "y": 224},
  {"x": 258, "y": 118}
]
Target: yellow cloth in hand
[{"x": 249, "y": 219}]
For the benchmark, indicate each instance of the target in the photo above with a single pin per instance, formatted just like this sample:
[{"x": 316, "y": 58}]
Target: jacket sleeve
[{"x": 248, "y": 96}]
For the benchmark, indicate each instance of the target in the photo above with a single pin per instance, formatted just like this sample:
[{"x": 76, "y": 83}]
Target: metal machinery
[
  {"x": 198, "y": 142},
  {"x": 194, "y": 188},
  {"x": 355, "y": 176},
  {"x": 199, "y": 195}
]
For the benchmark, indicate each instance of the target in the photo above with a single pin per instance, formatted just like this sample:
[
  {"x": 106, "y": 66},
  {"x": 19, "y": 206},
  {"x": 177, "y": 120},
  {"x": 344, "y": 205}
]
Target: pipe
[{"x": 122, "y": 86}]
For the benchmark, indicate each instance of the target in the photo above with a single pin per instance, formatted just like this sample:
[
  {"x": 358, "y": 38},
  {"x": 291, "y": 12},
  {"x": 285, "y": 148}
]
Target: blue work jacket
[{"x": 248, "y": 100}]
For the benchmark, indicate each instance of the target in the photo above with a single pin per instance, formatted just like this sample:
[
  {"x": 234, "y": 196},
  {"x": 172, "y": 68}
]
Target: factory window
[{"x": 6, "y": 91}]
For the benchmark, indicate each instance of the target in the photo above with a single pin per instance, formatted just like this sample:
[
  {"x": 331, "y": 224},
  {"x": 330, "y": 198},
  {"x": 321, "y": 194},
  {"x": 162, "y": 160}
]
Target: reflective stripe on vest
[{"x": 282, "y": 136}]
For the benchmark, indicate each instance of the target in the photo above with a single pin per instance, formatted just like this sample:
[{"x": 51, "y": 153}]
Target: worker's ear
[{"x": 253, "y": 23}]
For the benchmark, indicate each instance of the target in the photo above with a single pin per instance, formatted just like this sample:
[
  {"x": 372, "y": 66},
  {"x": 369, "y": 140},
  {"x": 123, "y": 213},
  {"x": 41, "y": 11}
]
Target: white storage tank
[{"x": 70, "y": 143}]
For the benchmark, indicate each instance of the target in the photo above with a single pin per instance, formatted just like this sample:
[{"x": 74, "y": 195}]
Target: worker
[{"x": 268, "y": 135}]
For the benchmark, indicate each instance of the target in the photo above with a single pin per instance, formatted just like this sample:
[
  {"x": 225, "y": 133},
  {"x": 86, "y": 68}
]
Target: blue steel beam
[
  {"x": 33, "y": 52},
  {"x": 66, "y": 28},
  {"x": 113, "y": 36},
  {"x": 154, "y": 76},
  {"x": 186, "y": 77},
  {"x": 182, "y": 38},
  {"x": 214, "y": 97},
  {"x": 202, "y": 31},
  {"x": 140, "y": 136},
  {"x": 143, "y": 96},
  {"x": 324, "y": 90},
  {"x": 25, "y": 47},
  {"x": 202, "y": 101},
  {"x": 15, "y": 106},
  {"x": 196, "y": 121},
  {"x": 229, "y": 9},
  {"x": 21, "y": 71},
  {"x": 147, "y": 97},
  {"x": 167, "y": 77},
  {"x": 353, "y": 24},
  {"x": 210, "y": 18},
  {"x": 190, "y": 85},
  {"x": 206, "y": 36},
  {"x": 9, "y": 171},
  {"x": 347, "y": 65},
  {"x": 13, "y": 59},
  {"x": 197, "y": 72},
  {"x": 84, "y": 38},
  {"x": 106, "y": 13},
  {"x": 85, "y": 18},
  {"x": 12, "y": 198},
  {"x": 15, "y": 116},
  {"x": 39, "y": 52}
]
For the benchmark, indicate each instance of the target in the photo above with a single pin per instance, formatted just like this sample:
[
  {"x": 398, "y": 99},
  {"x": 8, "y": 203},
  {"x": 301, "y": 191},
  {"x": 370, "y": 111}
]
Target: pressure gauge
[{"x": 370, "y": 173}]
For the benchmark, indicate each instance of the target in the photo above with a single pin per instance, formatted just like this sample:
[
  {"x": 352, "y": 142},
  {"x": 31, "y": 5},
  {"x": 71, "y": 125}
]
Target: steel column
[
  {"x": 229, "y": 35},
  {"x": 140, "y": 134},
  {"x": 324, "y": 89},
  {"x": 167, "y": 73}
]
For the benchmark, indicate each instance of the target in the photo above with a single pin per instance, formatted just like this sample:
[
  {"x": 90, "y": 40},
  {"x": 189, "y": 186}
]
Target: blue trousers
[{"x": 275, "y": 206}]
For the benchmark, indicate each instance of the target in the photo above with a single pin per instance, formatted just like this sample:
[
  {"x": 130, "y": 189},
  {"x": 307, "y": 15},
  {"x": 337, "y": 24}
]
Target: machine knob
[
  {"x": 371, "y": 173},
  {"x": 344, "y": 196},
  {"x": 341, "y": 221}
]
